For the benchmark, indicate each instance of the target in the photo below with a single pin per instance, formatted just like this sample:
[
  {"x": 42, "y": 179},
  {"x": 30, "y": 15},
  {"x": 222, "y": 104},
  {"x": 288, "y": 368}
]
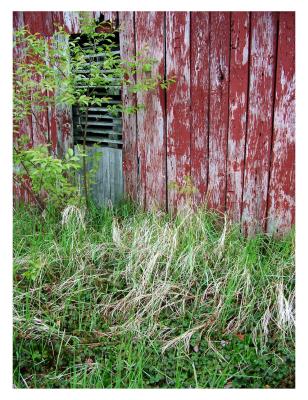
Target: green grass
[{"x": 120, "y": 298}]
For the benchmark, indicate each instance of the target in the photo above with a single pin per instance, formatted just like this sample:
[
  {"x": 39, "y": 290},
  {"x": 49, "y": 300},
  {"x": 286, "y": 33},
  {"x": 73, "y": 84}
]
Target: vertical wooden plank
[
  {"x": 178, "y": 104},
  {"x": 115, "y": 175},
  {"x": 238, "y": 93},
  {"x": 219, "y": 78},
  {"x": 112, "y": 174},
  {"x": 25, "y": 127},
  {"x": 103, "y": 193},
  {"x": 129, "y": 130},
  {"x": 64, "y": 128},
  {"x": 57, "y": 19},
  {"x": 34, "y": 21},
  {"x": 281, "y": 197},
  {"x": 18, "y": 20},
  {"x": 260, "y": 116},
  {"x": 118, "y": 176},
  {"x": 62, "y": 118},
  {"x": 52, "y": 127},
  {"x": 52, "y": 123},
  {"x": 110, "y": 16},
  {"x": 20, "y": 193},
  {"x": 96, "y": 15},
  {"x": 71, "y": 20},
  {"x": 199, "y": 38},
  {"x": 47, "y": 23},
  {"x": 151, "y": 121},
  {"x": 99, "y": 189},
  {"x": 40, "y": 126},
  {"x": 39, "y": 22},
  {"x": 61, "y": 127}
]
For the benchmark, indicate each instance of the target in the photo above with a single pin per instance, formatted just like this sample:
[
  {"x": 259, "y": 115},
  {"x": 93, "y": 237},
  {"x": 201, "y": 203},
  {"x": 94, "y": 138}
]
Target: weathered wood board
[
  {"x": 260, "y": 119},
  {"x": 238, "y": 101},
  {"x": 178, "y": 105},
  {"x": 218, "y": 118},
  {"x": 199, "y": 80},
  {"x": 281, "y": 197},
  {"x": 151, "y": 121},
  {"x": 107, "y": 186},
  {"x": 129, "y": 126},
  {"x": 227, "y": 124}
]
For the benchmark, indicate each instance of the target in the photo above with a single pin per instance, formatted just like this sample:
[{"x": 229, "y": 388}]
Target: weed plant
[{"x": 121, "y": 298}]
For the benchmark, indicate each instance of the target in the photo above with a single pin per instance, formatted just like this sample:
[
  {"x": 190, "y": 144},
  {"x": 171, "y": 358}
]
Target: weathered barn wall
[{"x": 228, "y": 122}]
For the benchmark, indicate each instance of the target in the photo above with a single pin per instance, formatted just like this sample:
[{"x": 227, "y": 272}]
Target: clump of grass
[
  {"x": 94, "y": 293},
  {"x": 198, "y": 265}
]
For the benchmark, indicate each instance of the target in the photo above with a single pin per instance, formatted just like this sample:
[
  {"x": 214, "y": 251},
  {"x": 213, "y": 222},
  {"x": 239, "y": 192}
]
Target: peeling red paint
[
  {"x": 71, "y": 21},
  {"x": 260, "y": 115},
  {"x": 200, "y": 44},
  {"x": 238, "y": 97},
  {"x": 129, "y": 130},
  {"x": 281, "y": 197},
  {"x": 218, "y": 119},
  {"x": 217, "y": 129},
  {"x": 39, "y": 22},
  {"x": 151, "y": 128},
  {"x": 178, "y": 103},
  {"x": 111, "y": 16},
  {"x": 57, "y": 19}
]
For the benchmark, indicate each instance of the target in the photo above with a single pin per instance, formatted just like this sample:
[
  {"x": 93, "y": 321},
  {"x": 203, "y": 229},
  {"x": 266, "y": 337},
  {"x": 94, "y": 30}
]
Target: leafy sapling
[{"x": 65, "y": 71}]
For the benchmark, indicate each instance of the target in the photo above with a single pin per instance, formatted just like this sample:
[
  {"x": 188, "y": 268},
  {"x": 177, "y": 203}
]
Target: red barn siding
[
  {"x": 281, "y": 204},
  {"x": 200, "y": 81},
  {"x": 151, "y": 128},
  {"x": 219, "y": 97},
  {"x": 130, "y": 157},
  {"x": 260, "y": 118},
  {"x": 238, "y": 99},
  {"x": 178, "y": 104},
  {"x": 228, "y": 122}
]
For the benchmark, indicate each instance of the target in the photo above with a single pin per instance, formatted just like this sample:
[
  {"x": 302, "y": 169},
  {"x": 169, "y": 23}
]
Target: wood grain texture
[
  {"x": 238, "y": 99},
  {"x": 151, "y": 120},
  {"x": 39, "y": 22},
  {"x": 219, "y": 86},
  {"x": 200, "y": 47},
  {"x": 25, "y": 127},
  {"x": 228, "y": 122},
  {"x": 18, "y": 20},
  {"x": 71, "y": 21},
  {"x": 281, "y": 197},
  {"x": 116, "y": 175},
  {"x": 107, "y": 185},
  {"x": 260, "y": 116},
  {"x": 178, "y": 104},
  {"x": 129, "y": 130},
  {"x": 57, "y": 19},
  {"x": 111, "y": 16},
  {"x": 62, "y": 118}
]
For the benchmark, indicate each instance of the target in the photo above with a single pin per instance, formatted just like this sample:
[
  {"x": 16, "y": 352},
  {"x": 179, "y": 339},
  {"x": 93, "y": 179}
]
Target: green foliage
[
  {"x": 70, "y": 274},
  {"x": 64, "y": 70},
  {"x": 51, "y": 178},
  {"x": 187, "y": 188}
]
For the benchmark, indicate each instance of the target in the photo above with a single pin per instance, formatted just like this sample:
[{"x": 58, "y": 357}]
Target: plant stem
[
  {"x": 36, "y": 198},
  {"x": 84, "y": 163},
  {"x": 30, "y": 191}
]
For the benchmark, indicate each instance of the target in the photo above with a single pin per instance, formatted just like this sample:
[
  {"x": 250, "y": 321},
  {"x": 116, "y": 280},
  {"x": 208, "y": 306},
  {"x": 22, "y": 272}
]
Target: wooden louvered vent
[
  {"x": 104, "y": 130},
  {"x": 103, "y": 127}
]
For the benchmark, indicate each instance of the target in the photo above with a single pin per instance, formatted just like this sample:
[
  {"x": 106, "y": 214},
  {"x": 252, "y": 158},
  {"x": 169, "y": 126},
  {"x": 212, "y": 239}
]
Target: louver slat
[{"x": 103, "y": 127}]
